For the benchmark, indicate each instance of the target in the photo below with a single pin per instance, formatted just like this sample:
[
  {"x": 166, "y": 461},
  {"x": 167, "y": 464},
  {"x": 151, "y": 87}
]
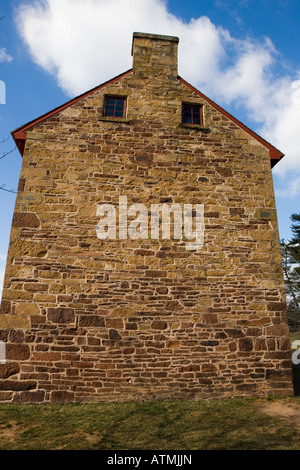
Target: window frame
[
  {"x": 114, "y": 97},
  {"x": 192, "y": 106}
]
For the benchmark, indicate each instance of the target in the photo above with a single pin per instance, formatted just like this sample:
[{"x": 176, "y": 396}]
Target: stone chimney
[{"x": 155, "y": 55}]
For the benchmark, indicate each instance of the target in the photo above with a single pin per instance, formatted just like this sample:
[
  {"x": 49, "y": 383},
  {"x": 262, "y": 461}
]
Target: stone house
[{"x": 93, "y": 317}]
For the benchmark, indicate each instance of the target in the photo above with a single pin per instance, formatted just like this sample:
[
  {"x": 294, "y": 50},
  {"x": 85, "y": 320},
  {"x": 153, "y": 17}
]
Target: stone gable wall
[{"x": 85, "y": 319}]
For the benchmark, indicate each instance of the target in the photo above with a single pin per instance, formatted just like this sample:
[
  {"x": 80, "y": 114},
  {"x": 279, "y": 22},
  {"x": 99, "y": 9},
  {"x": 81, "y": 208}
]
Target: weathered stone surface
[
  {"x": 62, "y": 396},
  {"x": 26, "y": 248},
  {"x": 14, "y": 321},
  {"x": 9, "y": 369},
  {"x": 61, "y": 315},
  {"x": 36, "y": 135},
  {"x": 29, "y": 397},
  {"x": 17, "y": 385},
  {"x": 87, "y": 319},
  {"x": 25, "y": 219},
  {"x": 15, "y": 351},
  {"x": 173, "y": 344},
  {"x": 246, "y": 344},
  {"x": 46, "y": 356},
  {"x": 16, "y": 336},
  {"x": 27, "y": 309},
  {"x": 113, "y": 334},
  {"x": 159, "y": 325},
  {"x": 122, "y": 312},
  {"x": 5, "y": 307},
  {"x": 30, "y": 197},
  {"x": 6, "y": 396},
  {"x": 91, "y": 321}
]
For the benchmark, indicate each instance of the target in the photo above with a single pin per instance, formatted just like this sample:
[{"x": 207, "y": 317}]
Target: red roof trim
[
  {"x": 274, "y": 153},
  {"x": 19, "y": 134}
]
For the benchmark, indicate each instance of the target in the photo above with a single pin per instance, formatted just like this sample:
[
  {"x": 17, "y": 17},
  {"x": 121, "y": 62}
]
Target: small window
[
  {"x": 192, "y": 114},
  {"x": 114, "y": 106}
]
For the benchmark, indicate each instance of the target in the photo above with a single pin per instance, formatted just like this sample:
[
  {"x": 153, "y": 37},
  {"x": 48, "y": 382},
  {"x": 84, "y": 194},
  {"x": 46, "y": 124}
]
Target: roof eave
[
  {"x": 19, "y": 134},
  {"x": 274, "y": 154}
]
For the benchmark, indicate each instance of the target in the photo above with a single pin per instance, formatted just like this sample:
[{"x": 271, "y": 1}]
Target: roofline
[
  {"x": 274, "y": 154},
  {"x": 19, "y": 134}
]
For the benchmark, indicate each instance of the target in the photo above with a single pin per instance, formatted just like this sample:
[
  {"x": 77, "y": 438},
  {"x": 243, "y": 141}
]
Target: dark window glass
[
  {"x": 114, "y": 107},
  {"x": 192, "y": 114}
]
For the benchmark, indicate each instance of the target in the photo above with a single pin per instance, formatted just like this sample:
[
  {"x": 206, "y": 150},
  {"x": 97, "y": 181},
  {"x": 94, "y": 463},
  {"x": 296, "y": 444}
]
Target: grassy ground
[
  {"x": 238, "y": 424},
  {"x": 295, "y": 336}
]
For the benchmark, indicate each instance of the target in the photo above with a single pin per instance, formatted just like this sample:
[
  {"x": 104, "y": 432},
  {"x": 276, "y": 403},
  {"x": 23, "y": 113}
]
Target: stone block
[
  {"x": 16, "y": 351},
  {"x": 27, "y": 309},
  {"x": 61, "y": 315},
  {"x": 122, "y": 312},
  {"x": 22, "y": 247},
  {"x": 62, "y": 396},
  {"x": 30, "y": 197},
  {"x": 29, "y": 397},
  {"x": 91, "y": 321},
  {"x": 9, "y": 369},
  {"x": 25, "y": 219},
  {"x": 14, "y": 322}
]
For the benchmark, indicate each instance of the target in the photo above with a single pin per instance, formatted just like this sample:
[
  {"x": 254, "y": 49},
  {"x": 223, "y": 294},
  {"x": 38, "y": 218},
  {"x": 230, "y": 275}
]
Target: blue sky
[{"x": 244, "y": 55}]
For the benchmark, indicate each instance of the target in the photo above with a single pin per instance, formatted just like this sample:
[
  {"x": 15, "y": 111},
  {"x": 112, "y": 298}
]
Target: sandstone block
[
  {"x": 113, "y": 334},
  {"x": 173, "y": 344},
  {"x": 36, "y": 135},
  {"x": 46, "y": 356},
  {"x": 17, "y": 351},
  {"x": 31, "y": 172},
  {"x": 25, "y": 219},
  {"x": 17, "y": 385},
  {"x": 14, "y": 322},
  {"x": 5, "y": 306},
  {"x": 62, "y": 396},
  {"x": 246, "y": 344},
  {"x": 61, "y": 315},
  {"x": 120, "y": 312},
  {"x": 30, "y": 197},
  {"x": 29, "y": 397},
  {"x": 28, "y": 309},
  {"x": 27, "y": 248},
  {"x": 9, "y": 369},
  {"x": 159, "y": 325},
  {"x": 91, "y": 321}
]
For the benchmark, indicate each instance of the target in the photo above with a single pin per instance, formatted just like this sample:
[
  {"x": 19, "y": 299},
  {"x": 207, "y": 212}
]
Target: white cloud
[
  {"x": 84, "y": 43},
  {"x": 4, "y": 56},
  {"x": 291, "y": 189}
]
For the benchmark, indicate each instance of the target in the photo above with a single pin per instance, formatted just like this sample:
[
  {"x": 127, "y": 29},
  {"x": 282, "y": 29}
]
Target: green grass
[
  {"x": 294, "y": 336},
  {"x": 233, "y": 424},
  {"x": 236, "y": 424}
]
